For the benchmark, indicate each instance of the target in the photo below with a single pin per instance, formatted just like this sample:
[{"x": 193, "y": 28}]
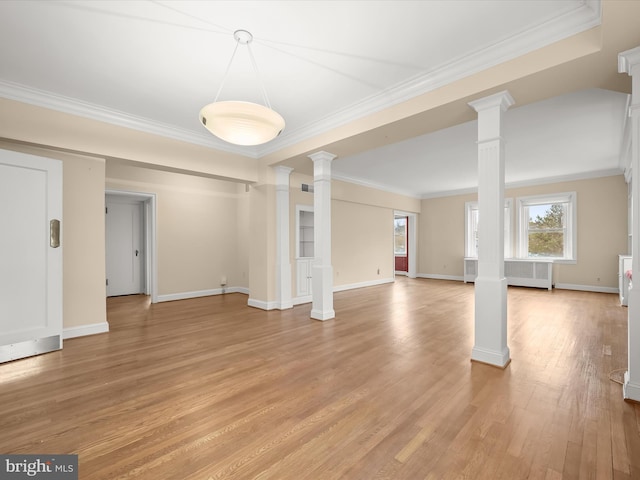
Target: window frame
[
  {"x": 570, "y": 228},
  {"x": 406, "y": 238},
  {"x": 469, "y": 245}
]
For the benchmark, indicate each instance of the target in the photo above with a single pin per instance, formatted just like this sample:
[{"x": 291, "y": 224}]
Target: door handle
[{"x": 54, "y": 233}]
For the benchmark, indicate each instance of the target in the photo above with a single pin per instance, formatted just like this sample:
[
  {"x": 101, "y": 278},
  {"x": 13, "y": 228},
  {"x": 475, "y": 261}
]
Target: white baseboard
[
  {"x": 244, "y": 290},
  {"x": 261, "y": 304},
  {"x": 340, "y": 288},
  {"x": 586, "y": 288},
  {"x": 372, "y": 283},
  {"x": 84, "y": 330},
  {"x": 301, "y": 300},
  {"x": 435, "y": 276},
  {"x": 170, "y": 297}
]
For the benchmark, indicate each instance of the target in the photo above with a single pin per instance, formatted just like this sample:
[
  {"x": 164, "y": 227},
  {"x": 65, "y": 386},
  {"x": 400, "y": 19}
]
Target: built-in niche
[{"x": 304, "y": 249}]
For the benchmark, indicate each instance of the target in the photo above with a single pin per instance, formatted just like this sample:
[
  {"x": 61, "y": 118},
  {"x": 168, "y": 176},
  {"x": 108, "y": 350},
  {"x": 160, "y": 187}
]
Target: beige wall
[
  {"x": 362, "y": 239},
  {"x": 197, "y": 227},
  {"x": 82, "y": 234},
  {"x": 361, "y": 230},
  {"x": 441, "y": 236},
  {"x": 262, "y": 238},
  {"x": 601, "y": 231}
]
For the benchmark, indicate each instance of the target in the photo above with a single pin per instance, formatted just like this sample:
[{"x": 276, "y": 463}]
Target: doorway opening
[
  {"x": 404, "y": 243},
  {"x": 131, "y": 254}
]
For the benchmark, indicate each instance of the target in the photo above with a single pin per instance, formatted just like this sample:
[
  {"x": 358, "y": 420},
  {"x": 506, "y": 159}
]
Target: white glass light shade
[{"x": 241, "y": 123}]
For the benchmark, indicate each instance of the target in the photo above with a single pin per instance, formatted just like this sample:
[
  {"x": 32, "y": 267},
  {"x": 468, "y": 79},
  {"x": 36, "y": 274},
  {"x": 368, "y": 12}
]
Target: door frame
[
  {"x": 150, "y": 271},
  {"x": 412, "y": 226}
]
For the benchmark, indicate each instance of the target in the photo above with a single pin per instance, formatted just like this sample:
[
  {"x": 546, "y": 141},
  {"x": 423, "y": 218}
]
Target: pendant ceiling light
[{"x": 239, "y": 122}]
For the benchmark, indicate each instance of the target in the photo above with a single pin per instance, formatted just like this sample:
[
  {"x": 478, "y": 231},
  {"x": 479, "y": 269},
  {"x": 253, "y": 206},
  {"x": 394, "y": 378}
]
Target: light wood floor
[{"x": 212, "y": 389}]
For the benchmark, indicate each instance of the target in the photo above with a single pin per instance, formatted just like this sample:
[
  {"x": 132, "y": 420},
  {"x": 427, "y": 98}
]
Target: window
[
  {"x": 400, "y": 236},
  {"x": 471, "y": 230},
  {"x": 547, "y": 226}
]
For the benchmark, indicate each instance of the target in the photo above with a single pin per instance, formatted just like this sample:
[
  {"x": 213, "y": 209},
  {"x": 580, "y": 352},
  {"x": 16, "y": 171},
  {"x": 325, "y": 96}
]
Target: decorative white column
[
  {"x": 491, "y": 285},
  {"x": 629, "y": 62},
  {"x": 322, "y": 271},
  {"x": 283, "y": 263}
]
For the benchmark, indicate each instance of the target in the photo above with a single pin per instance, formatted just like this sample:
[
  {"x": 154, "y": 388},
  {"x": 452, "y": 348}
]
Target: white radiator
[{"x": 523, "y": 273}]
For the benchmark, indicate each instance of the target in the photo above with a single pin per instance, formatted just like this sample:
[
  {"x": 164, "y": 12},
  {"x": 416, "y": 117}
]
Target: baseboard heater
[{"x": 522, "y": 273}]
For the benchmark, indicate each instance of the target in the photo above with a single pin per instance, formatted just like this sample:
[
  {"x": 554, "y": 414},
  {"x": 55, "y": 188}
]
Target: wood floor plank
[{"x": 209, "y": 388}]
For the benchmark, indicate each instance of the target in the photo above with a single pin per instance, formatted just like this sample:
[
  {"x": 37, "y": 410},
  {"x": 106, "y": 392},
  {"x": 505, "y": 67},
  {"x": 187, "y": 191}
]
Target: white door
[
  {"x": 30, "y": 255},
  {"x": 304, "y": 276},
  {"x": 124, "y": 243}
]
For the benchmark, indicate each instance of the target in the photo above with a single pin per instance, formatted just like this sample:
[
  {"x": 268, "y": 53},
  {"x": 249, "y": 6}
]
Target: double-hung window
[
  {"x": 400, "y": 236},
  {"x": 547, "y": 226},
  {"x": 471, "y": 229}
]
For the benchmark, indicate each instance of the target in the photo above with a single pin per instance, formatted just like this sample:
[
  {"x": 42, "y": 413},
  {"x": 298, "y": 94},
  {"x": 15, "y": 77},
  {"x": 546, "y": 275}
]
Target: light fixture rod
[
  {"x": 226, "y": 74},
  {"x": 244, "y": 37},
  {"x": 255, "y": 68}
]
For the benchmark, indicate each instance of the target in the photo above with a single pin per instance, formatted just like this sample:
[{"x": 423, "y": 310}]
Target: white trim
[
  {"x": 630, "y": 391},
  {"x": 352, "y": 286},
  {"x": 378, "y": 186},
  {"x": 149, "y": 202},
  {"x": 262, "y": 305},
  {"x": 303, "y": 299},
  {"x": 92, "y": 111},
  {"x": 586, "y": 288},
  {"x": 571, "y": 224},
  {"x": 341, "y": 288},
  {"x": 170, "y": 297},
  {"x": 491, "y": 357},
  {"x": 85, "y": 330},
  {"x": 508, "y": 228},
  {"x": 610, "y": 172},
  {"x": 435, "y": 276},
  {"x": 573, "y": 21},
  {"x": 300, "y": 207},
  {"x": 449, "y": 193},
  {"x": 412, "y": 225}
]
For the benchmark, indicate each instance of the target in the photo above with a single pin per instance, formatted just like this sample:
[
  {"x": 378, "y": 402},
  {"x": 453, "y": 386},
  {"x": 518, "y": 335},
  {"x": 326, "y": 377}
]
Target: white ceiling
[
  {"x": 570, "y": 136},
  {"x": 151, "y": 65}
]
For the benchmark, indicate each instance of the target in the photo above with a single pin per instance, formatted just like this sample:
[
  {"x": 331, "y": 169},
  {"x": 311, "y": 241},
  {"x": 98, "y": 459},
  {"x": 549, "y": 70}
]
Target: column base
[
  {"x": 490, "y": 344},
  {"x": 283, "y": 277},
  {"x": 323, "y": 315},
  {"x": 490, "y": 357},
  {"x": 630, "y": 391},
  {"x": 322, "y": 293}
]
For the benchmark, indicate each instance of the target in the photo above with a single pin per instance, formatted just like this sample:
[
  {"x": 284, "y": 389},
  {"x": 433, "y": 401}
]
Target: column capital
[
  {"x": 501, "y": 99},
  {"x": 322, "y": 155},
  {"x": 282, "y": 174},
  {"x": 628, "y": 60},
  {"x": 322, "y": 166}
]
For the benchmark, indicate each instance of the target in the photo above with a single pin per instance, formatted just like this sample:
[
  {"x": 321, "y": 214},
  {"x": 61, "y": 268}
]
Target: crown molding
[
  {"x": 580, "y": 19},
  {"x": 60, "y": 103},
  {"x": 374, "y": 185},
  {"x": 611, "y": 172},
  {"x": 571, "y": 22}
]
